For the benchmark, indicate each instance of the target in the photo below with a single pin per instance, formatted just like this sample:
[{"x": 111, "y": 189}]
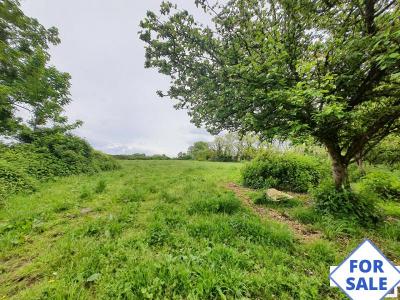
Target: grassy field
[{"x": 170, "y": 230}]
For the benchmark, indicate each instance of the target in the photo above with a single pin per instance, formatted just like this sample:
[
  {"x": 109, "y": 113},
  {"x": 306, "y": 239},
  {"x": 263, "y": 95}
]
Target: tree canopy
[
  {"x": 285, "y": 69},
  {"x": 27, "y": 82},
  {"x": 200, "y": 151}
]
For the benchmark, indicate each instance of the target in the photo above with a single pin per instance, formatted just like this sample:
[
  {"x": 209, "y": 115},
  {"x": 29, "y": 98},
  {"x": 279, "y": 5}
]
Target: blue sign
[{"x": 366, "y": 274}]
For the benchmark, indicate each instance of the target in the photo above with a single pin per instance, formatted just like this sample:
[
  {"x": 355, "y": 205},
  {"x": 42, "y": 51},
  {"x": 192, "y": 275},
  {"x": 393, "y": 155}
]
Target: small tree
[{"x": 285, "y": 69}]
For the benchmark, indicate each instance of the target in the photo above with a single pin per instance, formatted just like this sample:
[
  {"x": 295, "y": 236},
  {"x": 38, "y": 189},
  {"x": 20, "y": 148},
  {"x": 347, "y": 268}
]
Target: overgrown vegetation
[
  {"x": 346, "y": 204},
  {"x": 382, "y": 183},
  {"x": 286, "y": 171},
  {"x": 55, "y": 155},
  {"x": 387, "y": 152},
  {"x": 296, "y": 171}
]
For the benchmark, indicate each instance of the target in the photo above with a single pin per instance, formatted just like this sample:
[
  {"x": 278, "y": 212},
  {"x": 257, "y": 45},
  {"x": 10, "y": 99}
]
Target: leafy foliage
[
  {"x": 384, "y": 183},
  {"x": 387, "y": 152},
  {"x": 22, "y": 165},
  {"x": 27, "y": 82},
  {"x": 285, "y": 69},
  {"x": 183, "y": 156},
  {"x": 228, "y": 147},
  {"x": 12, "y": 180},
  {"x": 235, "y": 147},
  {"x": 346, "y": 204},
  {"x": 285, "y": 171},
  {"x": 200, "y": 151}
]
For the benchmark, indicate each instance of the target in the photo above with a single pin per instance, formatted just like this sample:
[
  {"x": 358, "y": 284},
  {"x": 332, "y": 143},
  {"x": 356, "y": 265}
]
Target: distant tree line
[
  {"x": 141, "y": 156},
  {"x": 228, "y": 147}
]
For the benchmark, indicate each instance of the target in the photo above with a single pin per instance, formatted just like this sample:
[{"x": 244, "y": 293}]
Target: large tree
[
  {"x": 29, "y": 86},
  {"x": 285, "y": 69}
]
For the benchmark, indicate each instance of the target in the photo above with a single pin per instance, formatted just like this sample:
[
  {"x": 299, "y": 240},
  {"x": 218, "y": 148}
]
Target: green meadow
[{"x": 168, "y": 230}]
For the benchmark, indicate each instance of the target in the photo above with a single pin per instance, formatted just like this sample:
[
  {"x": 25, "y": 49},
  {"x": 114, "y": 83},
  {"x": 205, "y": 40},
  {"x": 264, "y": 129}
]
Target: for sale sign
[{"x": 366, "y": 274}]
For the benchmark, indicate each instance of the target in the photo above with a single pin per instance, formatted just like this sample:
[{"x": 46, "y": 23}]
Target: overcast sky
[{"x": 112, "y": 92}]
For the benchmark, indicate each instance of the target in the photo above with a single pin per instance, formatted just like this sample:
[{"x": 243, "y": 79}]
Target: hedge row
[{"x": 22, "y": 166}]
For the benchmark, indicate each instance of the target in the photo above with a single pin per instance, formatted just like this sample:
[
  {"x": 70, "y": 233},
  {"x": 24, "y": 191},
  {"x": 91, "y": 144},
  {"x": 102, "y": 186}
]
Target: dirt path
[{"x": 301, "y": 231}]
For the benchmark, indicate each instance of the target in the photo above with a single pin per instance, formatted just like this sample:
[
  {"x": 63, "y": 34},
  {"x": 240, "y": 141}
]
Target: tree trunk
[
  {"x": 340, "y": 174},
  {"x": 339, "y": 167}
]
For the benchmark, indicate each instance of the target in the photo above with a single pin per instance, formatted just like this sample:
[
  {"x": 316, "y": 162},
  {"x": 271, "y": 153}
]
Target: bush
[
  {"x": 47, "y": 157},
  {"x": 345, "y": 204},
  {"x": 104, "y": 162},
  {"x": 13, "y": 180},
  {"x": 383, "y": 183},
  {"x": 285, "y": 171}
]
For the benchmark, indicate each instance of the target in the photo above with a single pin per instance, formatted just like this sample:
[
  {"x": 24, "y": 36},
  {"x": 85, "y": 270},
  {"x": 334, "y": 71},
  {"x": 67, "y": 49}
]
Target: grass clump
[
  {"x": 100, "y": 187},
  {"x": 321, "y": 251},
  {"x": 135, "y": 194},
  {"x": 306, "y": 215},
  {"x": 225, "y": 229},
  {"x": 85, "y": 193},
  {"x": 223, "y": 204},
  {"x": 158, "y": 235},
  {"x": 262, "y": 199}
]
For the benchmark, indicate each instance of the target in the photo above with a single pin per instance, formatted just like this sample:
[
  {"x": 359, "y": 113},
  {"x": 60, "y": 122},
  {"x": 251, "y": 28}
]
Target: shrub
[
  {"x": 103, "y": 162},
  {"x": 13, "y": 180},
  {"x": 47, "y": 157},
  {"x": 284, "y": 171},
  {"x": 385, "y": 184},
  {"x": 345, "y": 203}
]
